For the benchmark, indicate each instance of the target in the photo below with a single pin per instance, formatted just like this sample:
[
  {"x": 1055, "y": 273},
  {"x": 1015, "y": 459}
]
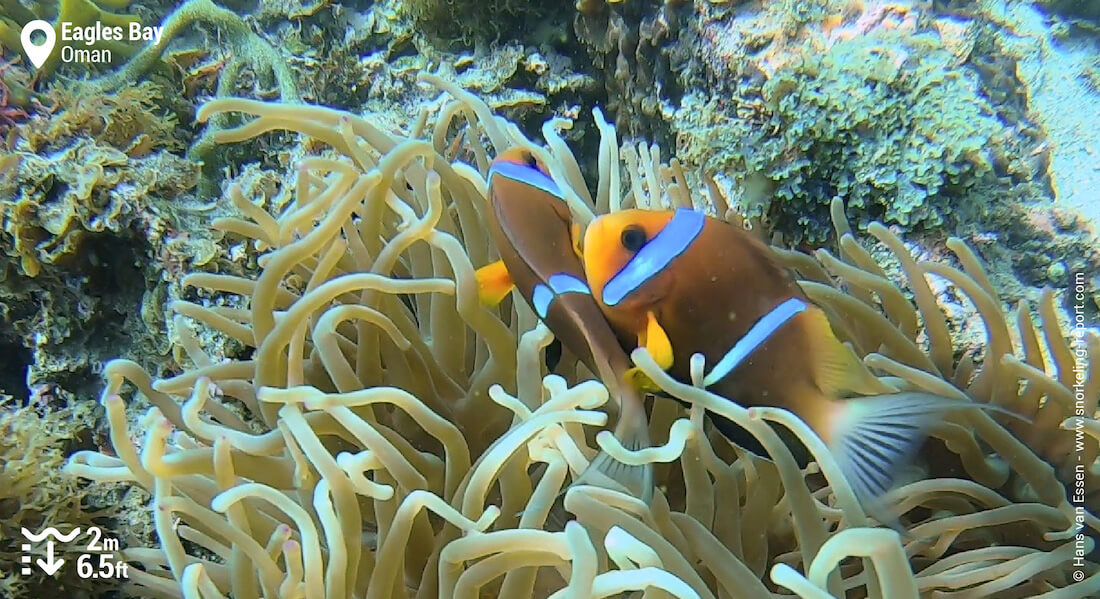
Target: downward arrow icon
[{"x": 50, "y": 566}]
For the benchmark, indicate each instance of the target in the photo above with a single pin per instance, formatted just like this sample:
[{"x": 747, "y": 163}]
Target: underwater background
[{"x": 187, "y": 225}]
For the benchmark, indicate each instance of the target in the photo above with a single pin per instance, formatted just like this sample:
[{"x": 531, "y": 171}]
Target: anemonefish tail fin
[
  {"x": 871, "y": 438},
  {"x": 838, "y": 372},
  {"x": 632, "y": 432},
  {"x": 608, "y": 472},
  {"x": 493, "y": 283}
]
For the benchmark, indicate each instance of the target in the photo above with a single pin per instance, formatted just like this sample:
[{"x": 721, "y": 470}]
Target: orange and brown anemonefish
[
  {"x": 680, "y": 283},
  {"x": 534, "y": 233}
]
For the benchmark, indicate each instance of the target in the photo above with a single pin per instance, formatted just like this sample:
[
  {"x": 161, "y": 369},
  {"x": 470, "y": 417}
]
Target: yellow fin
[
  {"x": 640, "y": 380},
  {"x": 575, "y": 234},
  {"x": 837, "y": 369},
  {"x": 494, "y": 283},
  {"x": 656, "y": 341}
]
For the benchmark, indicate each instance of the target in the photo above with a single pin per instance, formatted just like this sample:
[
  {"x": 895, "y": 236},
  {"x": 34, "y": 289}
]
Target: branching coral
[
  {"x": 388, "y": 436},
  {"x": 247, "y": 50}
]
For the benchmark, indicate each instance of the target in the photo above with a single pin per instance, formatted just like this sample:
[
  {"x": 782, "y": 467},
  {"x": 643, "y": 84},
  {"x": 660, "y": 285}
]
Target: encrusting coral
[
  {"x": 391, "y": 437},
  {"x": 910, "y": 111}
]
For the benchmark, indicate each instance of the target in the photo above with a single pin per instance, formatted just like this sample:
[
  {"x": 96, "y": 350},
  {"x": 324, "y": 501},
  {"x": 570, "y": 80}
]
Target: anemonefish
[
  {"x": 680, "y": 283},
  {"x": 536, "y": 237}
]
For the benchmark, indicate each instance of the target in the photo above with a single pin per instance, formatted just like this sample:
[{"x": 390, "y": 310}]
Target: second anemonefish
[
  {"x": 680, "y": 283},
  {"x": 534, "y": 233}
]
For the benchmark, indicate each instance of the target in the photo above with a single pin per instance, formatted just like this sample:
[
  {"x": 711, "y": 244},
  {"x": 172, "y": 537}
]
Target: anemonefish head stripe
[
  {"x": 758, "y": 334},
  {"x": 527, "y": 175},
  {"x": 567, "y": 283},
  {"x": 541, "y": 298},
  {"x": 542, "y": 295},
  {"x": 655, "y": 255}
]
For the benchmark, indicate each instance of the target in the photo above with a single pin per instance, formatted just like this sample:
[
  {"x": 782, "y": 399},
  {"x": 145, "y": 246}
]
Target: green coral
[{"x": 888, "y": 120}]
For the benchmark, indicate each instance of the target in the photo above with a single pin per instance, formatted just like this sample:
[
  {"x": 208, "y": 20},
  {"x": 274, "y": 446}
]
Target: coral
[
  {"x": 479, "y": 21},
  {"x": 95, "y": 216},
  {"x": 59, "y": 199},
  {"x": 84, "y": 248},
  {"x": 638, "y": 49},
  {"x": 35, "y": 441},
  {"x": 387, "y": 435},
  {"x": 129, "y": 120},
  {"x": 247, "y": 50},
  {"x": 885, "y": 117}
]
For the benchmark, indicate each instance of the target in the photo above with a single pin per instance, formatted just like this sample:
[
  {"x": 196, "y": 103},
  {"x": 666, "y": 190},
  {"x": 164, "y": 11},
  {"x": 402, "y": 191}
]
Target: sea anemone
[{"x": 389, "y": 436}]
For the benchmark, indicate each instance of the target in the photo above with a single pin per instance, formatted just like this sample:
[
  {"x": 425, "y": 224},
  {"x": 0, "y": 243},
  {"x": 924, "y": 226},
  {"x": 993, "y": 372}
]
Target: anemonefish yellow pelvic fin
[
  {"x": 653, "y": 338},
  {"x": 539, "y": 246},
  {"x": 494, "y": 283},
  {"x": 712, "y": 288}
]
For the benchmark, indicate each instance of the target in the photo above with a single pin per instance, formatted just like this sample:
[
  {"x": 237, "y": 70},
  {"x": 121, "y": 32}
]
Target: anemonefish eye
[
  {"x": 633, "y": 238},
  {"x": 531, "y": 161}
]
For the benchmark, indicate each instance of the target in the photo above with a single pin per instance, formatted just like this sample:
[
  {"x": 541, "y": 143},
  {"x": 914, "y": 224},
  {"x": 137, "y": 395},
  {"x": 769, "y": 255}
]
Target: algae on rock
[{"x": 35, "y": 442}]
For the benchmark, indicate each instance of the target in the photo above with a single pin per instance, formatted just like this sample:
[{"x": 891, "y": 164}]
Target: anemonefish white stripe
[
  {"x": 541, "y": 297},
  {"x": 758, "y": 334},
  {"x": 567, "y": 283},
  {"x": 526, "y": 175},
  {"x": 677, "y": 236}
]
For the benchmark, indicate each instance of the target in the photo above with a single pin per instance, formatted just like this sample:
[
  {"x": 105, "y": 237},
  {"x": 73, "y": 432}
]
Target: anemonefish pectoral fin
[
  {"x": 575, "y": 235},
  {"x": 871, "y": 438},
  {"x": 656, "y": 341},
  {"x": 494, "y": 283},
  {"x": 838, "y": 372}
]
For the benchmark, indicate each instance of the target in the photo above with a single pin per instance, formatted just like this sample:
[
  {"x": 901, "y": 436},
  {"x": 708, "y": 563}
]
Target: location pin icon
[{"x": 38, "y": 54}]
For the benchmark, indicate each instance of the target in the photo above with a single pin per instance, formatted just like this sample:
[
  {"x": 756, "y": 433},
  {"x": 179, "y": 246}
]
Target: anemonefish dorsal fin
[
  {"x": 838, "y": 372},
  {"x": 493, "y": 283}
]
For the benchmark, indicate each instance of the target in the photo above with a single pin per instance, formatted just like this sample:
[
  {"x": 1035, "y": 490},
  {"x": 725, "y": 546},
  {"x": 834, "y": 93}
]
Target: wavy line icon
[{"x": 51, "y": 532}]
